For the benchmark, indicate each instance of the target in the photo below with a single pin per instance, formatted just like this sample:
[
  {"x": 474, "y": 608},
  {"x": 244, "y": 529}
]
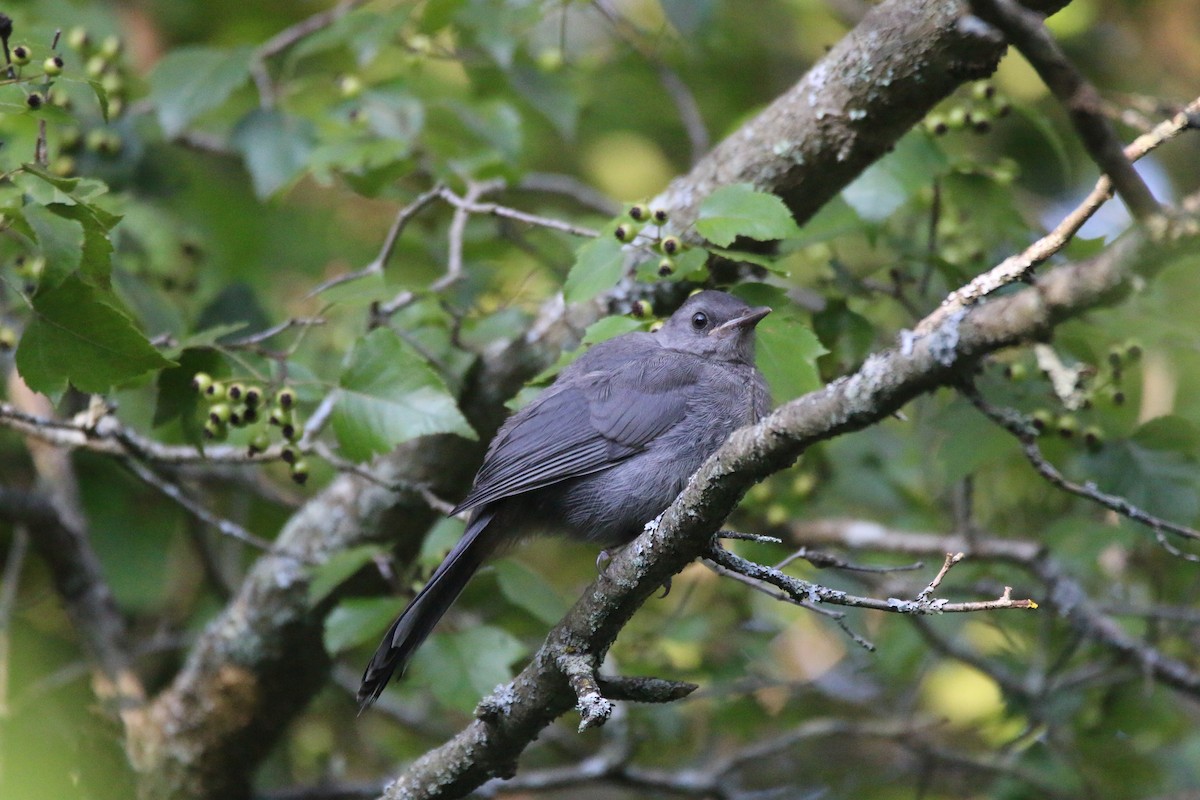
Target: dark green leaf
[
  {"x": 79, "y": 334},
  {"x": 61, "y": 243},
  {"x": 177, "y": 398},
  {"x": 459, "y": 667},
  {"x": 388, "y": 394},
  {"x": 742, "y": 210}
]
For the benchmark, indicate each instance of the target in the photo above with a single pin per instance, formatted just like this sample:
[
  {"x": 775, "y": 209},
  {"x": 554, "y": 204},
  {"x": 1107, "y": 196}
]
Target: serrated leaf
[
  {"x": 741, "y": 210},
  {"x": 193, "y": 80},
  {"x": 786, "y": 348},
  {"x": 388, "y": 394},
  {"x": 79, "y": 334},
  {"x": 61, "y": 243},
  {"x": 526, "y": 589},
  {"x": 598, "y": 266},
  {"x": 275, "y": 146},
  {"x": 326, "y": 577},
  {"x": 359, "y": 621},
  {"x": 95, "y": 260}
]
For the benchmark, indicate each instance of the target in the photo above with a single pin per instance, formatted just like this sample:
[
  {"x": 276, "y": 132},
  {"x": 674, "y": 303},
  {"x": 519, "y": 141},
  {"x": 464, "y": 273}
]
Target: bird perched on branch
[{"x": 601, "y": 452}]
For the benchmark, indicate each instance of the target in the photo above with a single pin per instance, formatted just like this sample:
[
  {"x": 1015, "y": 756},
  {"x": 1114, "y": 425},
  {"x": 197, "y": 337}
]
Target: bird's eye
[{"x": 699, "y": 320}]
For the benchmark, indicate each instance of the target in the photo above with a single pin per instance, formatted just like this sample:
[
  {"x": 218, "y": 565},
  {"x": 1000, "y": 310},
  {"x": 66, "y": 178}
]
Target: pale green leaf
[
  {"x": 742, "y": 210},
  {"x": 388, "y": 395}
]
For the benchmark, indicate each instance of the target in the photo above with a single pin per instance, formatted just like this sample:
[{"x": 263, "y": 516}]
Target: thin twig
[
  {"x": 1017, "y": 267},
  {"x": 285, "y": 39},
  {"x": 1024, "y": 29},
  {"x": 274, "y": 330},
  {"x": 951, "y": 559},
  {"x": 224, "y": 526},
  {"x": 377, "y": 265},
  {"x": 1017, "y": 425},
  {"x": 677, "y": 90},
  {"x": 815, "y": 593}
]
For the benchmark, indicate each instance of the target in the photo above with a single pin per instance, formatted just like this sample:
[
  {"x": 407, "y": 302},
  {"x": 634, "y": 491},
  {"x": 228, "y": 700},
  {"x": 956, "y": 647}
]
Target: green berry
[
  {"x": 96, "y": 66},
  {"x": 219, "y": 413},
  {"x": 286, "y": 397},
  {"x": 1041, "y": 420},
  {"x": 660, "y": 216},
  {"x": 35, "y": 100},
  {"x": 215, "y": 392},
  {"x": 201, "y": 382},
  {"x": 300, "y": 471},
  {"x": 1133, "y": 351},
  {"x": 235, "y": 391},
  {"x": 253, "y": 396},
  {"x": 639, "y": 212},
  {"x": 110, "y": 47},
  {"x": 666, "y": 267},
  {"x": 259, "y": 443},
  {"x": 1068, "y": 426},
  {"x": 53, "y": 66},
  {"x": 671, "y": 245},
  {"x": 350, "y": 86},
  {"x": 936, "y": 124},
  {"x": 21, "y": 54},
  {"x": 641, "y": 309},
  {"x": 1016, "y": 371},
  {"x": 8, "y": 338},
  {"x": 291, "y": 431},
  {"x": 215, "y": 430},
  {"x": 79, "y": 39},
  {"x": 625, "y": 232},
  {"x": 1093, "y": 437},
  {"x": 288, "y": 454}
]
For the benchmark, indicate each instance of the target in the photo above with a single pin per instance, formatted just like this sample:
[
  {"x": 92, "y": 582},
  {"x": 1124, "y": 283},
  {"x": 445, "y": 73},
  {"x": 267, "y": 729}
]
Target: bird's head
[{"x": 714, "y": 324}]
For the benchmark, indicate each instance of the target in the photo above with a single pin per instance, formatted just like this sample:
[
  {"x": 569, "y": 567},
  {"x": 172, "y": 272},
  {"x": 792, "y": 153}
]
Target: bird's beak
[{"x": 744, "y": 322}]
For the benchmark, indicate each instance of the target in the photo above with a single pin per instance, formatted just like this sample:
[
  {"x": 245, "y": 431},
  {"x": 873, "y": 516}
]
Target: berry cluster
[
  {"x": 637, "y": 232},
  {"x": 232, "y": 404},
  {"x": 975, "y": 113},
  {"x": 1094, "y": 384}
]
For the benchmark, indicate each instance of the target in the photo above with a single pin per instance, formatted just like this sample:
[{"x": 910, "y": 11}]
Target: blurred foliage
[{"x": 197, "y": 189}]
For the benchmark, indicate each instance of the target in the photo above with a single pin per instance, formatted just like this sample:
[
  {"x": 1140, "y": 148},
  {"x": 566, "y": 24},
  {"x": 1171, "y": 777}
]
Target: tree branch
[{"x": 1025, "y": 30}]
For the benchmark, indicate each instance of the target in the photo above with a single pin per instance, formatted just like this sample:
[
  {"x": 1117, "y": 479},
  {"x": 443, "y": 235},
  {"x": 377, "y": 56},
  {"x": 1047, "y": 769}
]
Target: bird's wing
[{"x": 593, "y": 421}]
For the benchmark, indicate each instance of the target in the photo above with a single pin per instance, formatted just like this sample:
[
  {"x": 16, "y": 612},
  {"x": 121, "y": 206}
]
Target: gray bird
[{"x": 602, "y": 451}]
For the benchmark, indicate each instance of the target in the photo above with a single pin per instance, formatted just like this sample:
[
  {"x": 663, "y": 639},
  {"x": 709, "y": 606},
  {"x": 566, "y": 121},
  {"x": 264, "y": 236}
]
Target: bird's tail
[{"x": 417, "y": 621}]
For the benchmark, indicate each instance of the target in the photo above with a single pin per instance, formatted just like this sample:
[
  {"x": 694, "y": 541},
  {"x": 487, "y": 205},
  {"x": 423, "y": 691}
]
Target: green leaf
[
  {"x": 177, "y": 398},
  {"x": 526, "y": 589},
  {"x": 326, "y": 577},
  {"x": 742, "y": 210},
  {"x": 61, "y": 243},
  {"x": 96, "y": 253},
  {"x": 786, "y": 348},
  {"x": 359, "y": 621},
  {"x": 388, "y": 395},
  {"x": 892, "y": 181},
  {"x": 275, "y": 147},
  {"x": 598, "y": 266},
  {"x": 193, "y": 80},
  {"x": 101, "y": 98},
  {"x": 459, "y": 667},
  {"x": 79, "y": 334}
]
